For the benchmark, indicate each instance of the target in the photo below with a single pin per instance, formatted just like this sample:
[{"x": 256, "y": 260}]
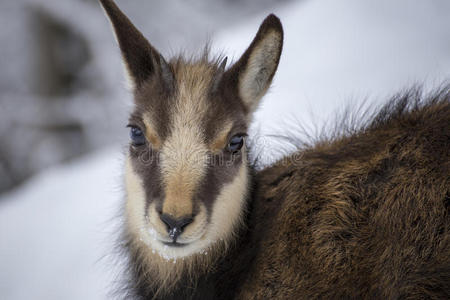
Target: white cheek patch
[
  {"x": 135, "y": 199},
  {"x": 229, "y": 207}
]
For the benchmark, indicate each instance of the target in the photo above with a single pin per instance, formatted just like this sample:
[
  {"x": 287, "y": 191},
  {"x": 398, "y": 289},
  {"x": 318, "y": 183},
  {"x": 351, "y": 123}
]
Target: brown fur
[
  {"x": 361, "y": 215},
  {"x": 364, "y": 215}
]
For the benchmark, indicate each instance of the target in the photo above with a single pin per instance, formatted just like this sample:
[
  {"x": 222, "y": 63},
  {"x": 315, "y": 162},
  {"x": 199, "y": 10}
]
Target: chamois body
[
  {"x": 364, "y": 214},
  {"x": 361, "y": 216}
]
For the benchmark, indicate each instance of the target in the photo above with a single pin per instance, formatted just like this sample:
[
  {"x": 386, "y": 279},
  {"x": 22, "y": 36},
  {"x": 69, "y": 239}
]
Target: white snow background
[{"x": 55, "y": 228}]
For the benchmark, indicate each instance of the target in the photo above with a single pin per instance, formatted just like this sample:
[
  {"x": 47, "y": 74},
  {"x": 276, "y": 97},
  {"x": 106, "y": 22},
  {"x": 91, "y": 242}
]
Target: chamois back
[{"x": 363, "y": 216}]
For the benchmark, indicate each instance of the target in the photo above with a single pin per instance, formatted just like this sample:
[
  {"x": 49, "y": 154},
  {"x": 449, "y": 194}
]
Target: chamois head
[{"x": 187, "y": 170}]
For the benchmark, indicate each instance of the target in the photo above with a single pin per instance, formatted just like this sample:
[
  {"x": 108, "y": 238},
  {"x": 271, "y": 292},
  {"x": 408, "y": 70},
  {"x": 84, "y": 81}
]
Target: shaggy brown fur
[
  {"x": 361, "y": 216},
  {"x": 364, "y": 214}
]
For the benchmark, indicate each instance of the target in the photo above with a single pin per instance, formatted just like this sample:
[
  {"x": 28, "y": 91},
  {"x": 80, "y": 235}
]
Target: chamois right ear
[
  {"x": 252, "y": 74},
  {"x": 140, "y": 58}
]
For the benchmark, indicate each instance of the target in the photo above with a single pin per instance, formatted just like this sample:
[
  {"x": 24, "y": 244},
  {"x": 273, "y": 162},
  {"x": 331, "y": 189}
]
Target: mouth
[{"x": 175, "y": 244}]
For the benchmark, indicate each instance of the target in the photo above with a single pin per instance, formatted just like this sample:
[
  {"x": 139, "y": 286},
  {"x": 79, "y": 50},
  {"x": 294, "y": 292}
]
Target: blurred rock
[{"x": 60, "y": 55}]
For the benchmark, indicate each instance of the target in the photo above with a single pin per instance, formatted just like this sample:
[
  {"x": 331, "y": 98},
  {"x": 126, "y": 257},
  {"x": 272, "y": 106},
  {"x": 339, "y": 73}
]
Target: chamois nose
[{"x": 175, "y": 226}]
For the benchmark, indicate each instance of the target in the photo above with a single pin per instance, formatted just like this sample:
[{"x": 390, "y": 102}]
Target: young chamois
[{"x": 362, "y": 215}]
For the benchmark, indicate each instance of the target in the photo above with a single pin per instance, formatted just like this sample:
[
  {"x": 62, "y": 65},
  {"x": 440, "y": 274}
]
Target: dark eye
[
  {"x": 137, "y": 136},
  {"x": 236, "y": 143}
]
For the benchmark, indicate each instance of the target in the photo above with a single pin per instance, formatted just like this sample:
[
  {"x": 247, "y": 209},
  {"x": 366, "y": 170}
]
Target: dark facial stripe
[
  {"x": 145, "y": 164},
  {"x": 221, "y": 171}
]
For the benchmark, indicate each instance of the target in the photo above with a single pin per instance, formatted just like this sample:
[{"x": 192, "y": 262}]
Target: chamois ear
[
  {"x": 140, "y": 58},
  {"x": 252, "y": 74}
]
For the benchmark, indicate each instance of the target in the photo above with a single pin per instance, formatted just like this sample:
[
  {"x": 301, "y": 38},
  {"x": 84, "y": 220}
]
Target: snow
[
  {"x": 336, "y": 52},
  {"x": 56, "y": 228}
]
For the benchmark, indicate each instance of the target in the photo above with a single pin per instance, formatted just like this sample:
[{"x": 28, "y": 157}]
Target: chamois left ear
[
  {"x": 252, "y": 74},
  {"x": 141, "y": 59}
]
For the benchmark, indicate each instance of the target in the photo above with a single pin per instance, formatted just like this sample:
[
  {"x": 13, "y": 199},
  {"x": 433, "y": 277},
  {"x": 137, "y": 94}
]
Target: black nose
[{"x": 175, "y": 226}]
